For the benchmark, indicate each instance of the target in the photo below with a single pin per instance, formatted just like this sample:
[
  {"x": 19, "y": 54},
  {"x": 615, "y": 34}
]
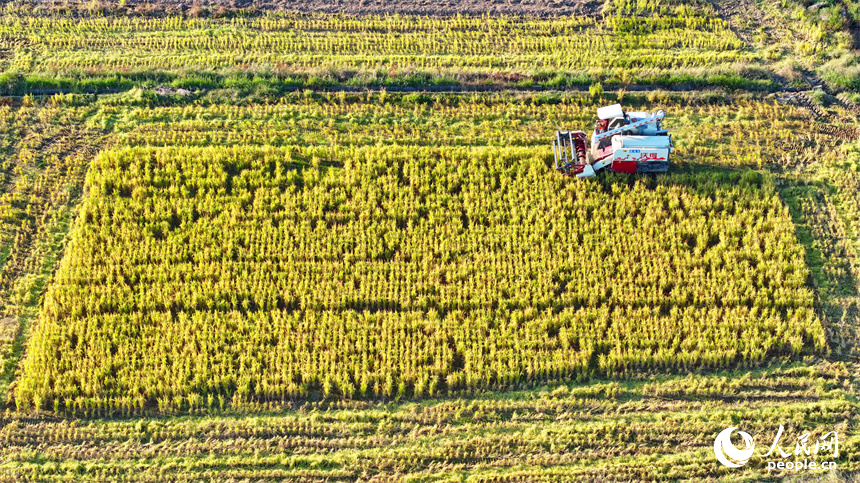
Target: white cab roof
[{"x": 609, "y": 112}]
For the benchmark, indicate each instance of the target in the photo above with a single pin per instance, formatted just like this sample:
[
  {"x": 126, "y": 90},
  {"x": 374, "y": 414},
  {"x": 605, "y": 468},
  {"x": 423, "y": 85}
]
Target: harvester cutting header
[{"x": 631, "y": 142}]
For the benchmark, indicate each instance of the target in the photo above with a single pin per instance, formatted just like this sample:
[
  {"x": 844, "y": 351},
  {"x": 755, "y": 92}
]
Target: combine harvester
[{"x": 631, "y": 142}]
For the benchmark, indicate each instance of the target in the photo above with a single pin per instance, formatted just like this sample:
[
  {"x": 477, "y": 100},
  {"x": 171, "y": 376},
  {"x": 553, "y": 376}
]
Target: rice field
[{"x": 248, "y": 245}]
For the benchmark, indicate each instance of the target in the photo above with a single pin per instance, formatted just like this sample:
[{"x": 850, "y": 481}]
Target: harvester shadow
[{"x": 833, "y": 278}]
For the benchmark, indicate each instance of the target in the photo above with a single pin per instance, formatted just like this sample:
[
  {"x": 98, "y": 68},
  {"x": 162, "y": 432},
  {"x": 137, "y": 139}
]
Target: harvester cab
[{"x": 626, "y": 142}]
